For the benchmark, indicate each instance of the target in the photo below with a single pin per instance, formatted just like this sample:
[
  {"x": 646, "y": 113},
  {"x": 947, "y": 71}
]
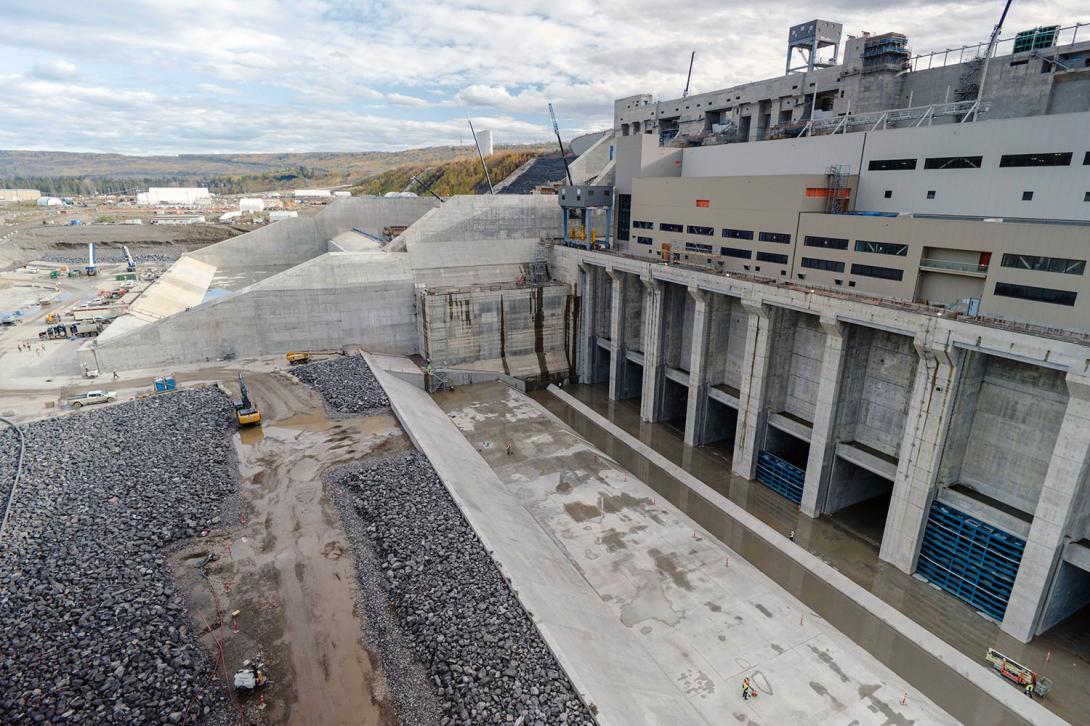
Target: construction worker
[
  {"x": 745, "y": 689},
  {"x": 116, "y": 376},
  {"x": 1029, "y": 689}
]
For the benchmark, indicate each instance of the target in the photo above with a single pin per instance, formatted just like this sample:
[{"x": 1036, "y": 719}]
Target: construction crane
[
  {"x": 424, "y": 184},
  {"x": 246, "y": 412},
  {"x": 481, "y": 155},
  {"x": 556, "y": 129},
  {"x": 689, "y": 78},
  {"x": 90, "y": 268},
  {"x": 129, "y": 261},
  {"x": 992, "y": 41}
]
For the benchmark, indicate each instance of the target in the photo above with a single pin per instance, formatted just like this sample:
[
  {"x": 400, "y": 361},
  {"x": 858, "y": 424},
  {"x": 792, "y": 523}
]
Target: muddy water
[
  {"x": 287, "y": 567},
  {"x": 956, "y": 695}
]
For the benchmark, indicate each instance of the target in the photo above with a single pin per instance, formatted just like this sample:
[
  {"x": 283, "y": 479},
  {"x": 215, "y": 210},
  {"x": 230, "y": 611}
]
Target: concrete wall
[
  {"x": 809, "y": 155},
  {"x": 798, "y": 347},
  {"x": 523, "y": 331},
  {"x": 879, "y": 371},
  {"x": 1004, "y": 430},
  {"x": 337, "y": 299},
  {"x": 292, "y": 241}
]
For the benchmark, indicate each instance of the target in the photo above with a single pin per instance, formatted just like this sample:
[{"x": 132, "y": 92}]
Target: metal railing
[
  {"x": 951, "y": 265},
  {"x": 1005, "y": 46}
]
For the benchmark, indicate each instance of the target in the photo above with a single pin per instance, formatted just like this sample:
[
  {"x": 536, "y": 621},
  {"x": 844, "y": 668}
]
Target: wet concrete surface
[
  {"x": 704, "y": 615},
  {"x": 286, "y": 567},
  {"x": 1062, "y": 654}
]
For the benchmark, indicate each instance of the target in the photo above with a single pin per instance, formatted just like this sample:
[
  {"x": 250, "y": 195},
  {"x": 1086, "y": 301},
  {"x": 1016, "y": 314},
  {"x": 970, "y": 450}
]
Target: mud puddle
[{"x": 283, "y": 587}]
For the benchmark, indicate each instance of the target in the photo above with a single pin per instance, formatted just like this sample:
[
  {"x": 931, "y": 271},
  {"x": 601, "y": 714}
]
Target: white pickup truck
[{"x": 92, "y": 397}]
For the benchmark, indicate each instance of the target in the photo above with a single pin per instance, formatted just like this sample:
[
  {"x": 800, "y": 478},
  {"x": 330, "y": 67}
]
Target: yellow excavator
[{"x": 245, "y": 411}]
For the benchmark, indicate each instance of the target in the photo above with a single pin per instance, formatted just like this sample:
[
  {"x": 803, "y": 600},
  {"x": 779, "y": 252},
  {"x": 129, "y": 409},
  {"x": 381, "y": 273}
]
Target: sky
[{"x": 190, "y": 76}]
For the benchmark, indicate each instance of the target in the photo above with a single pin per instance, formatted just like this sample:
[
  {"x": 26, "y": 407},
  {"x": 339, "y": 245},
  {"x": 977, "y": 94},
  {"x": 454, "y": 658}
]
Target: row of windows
[
  {"x": 1045, "y": 264},
  {"x": 975, "y": 162},
  {"x": 817, "y": 264},
  {"x": 829, "y": 243},
  {"x": 881, "y": 248},
  {"x": 1036, "y": 294},
  {"x": 885, "y": 273},
  {"x": 777, "y": 237}
]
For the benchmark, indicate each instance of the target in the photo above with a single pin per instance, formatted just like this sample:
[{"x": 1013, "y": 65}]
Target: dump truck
[
  {"x": 246, "y": 413},
  {"x": 298, "y": 358},
  {"x": 85, "y": 330},
  {"x": 53, "y": 332}
]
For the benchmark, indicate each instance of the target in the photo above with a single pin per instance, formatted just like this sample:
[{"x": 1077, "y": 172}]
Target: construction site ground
[
  {"x": 1062, "y": 655},
  {"x": 678, "y": 601}
]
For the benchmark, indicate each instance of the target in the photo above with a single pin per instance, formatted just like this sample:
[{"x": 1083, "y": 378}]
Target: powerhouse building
[{"x": 867, "y": 279}]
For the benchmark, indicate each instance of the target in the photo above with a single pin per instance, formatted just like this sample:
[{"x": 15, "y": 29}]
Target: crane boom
[
  {"x": 131, "y": 263},
  {"x": 476, "y": 143},
  {"x": 988, "y": 56},
  {"x": 689, "y": 78},
  {"x": 424, "y": 184},
  {"x": 556, "y": 129},
  {"x": 90, "y": 268}
]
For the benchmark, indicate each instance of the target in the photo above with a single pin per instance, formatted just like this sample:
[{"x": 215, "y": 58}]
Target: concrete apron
[
  {"x": 963, "y": 671},
  {"x": 613, "y": 674}
]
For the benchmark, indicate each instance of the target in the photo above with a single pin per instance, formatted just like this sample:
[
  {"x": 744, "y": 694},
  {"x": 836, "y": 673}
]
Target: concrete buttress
[
  {"x": 616, "y": 333},
  {"x": 653, "y": 373},
  {"x": 587, "y": 341},
  {"x": 752, "y": 405},
  {"x": 697, "y": 405},
  {"x": 931, "y": 406},
  {"x": 1056, "y": 508},
  {"x": 819, "y": 463}
]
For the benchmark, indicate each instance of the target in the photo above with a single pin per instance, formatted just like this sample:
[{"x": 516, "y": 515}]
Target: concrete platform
[{"x": 655, "y": 622}]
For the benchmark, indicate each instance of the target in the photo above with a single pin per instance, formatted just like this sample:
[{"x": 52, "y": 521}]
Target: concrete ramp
[{"x": 183, "y": 286}]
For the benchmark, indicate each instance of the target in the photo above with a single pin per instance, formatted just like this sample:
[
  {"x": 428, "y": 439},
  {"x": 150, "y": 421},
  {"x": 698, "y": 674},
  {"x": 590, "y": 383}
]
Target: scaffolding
[{"x": 837, "y": 190}]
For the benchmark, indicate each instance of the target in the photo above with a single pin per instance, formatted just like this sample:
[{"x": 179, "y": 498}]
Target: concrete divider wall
[
  {"x": 334, "y": 300},
  {"x": 292, "y": 241}
]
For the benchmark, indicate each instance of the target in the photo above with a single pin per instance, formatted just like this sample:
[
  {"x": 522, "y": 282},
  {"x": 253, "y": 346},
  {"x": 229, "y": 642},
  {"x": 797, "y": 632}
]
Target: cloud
[
  {"x": 53, "y": 70},
  {"x": 399, "y": 99},
  {"x": 265, "y": 75}
]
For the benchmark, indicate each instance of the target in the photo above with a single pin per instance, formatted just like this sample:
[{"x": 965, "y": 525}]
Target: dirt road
[{"x": 286, "y": 567}]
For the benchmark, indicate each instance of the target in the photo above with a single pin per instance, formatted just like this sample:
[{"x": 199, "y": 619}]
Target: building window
[
  {"x": 851, "y": 283},
  {"x": 1045, "y": 264},
  {"x": 705, "y": 231},
  {"x": 1027, "y": 196},
  {"x": 953, "y": 162},
  {"x": 777, "y": 237},
  {"x": 931, "y": 194},
  {"x": 891, "y": 165},
  {"x": 829, "y": 243},
  {"x": 1086, "y": 159},
  {"x": 642, "y": 225},
  {"x": 886, "y": 273},
  {"x": 881, "y": 248},
  {"x": 816, "y": 264},
  {"x": 772, "y": 257},
  {"x": 888, "y": 194},
  {"x": 665, "y": 227},
  {"x": 735, "y": 252},
  {"x": 643, "y": 240},
  {"x": 697, "y": 247},
  {"x": 624, "y": 215},
  {"x": 703, "y": 203},
  {"x": 738, "y": 233},
  {"x": 1036, "y": 294},
  {"x": 1050, "y": 159}
]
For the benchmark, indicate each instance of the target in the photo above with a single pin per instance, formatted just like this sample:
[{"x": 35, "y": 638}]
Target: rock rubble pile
[
  {"x": 346, "y": 383},
  {"x": 486, "y": 660},
  {"x": 91, "y": 627}
]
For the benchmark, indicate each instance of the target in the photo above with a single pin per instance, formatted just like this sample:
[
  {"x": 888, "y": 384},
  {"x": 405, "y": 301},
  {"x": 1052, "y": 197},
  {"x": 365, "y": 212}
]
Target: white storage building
[{"x": 174, "y": 195}]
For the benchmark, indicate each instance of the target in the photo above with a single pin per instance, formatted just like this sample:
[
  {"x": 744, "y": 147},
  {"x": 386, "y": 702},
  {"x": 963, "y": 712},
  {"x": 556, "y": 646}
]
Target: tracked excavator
[{"x": 246, "y": 412}]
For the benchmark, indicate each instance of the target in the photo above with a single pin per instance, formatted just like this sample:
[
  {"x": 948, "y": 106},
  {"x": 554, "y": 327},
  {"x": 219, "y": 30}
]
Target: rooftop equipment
[{"x": 808, "y": 39}]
